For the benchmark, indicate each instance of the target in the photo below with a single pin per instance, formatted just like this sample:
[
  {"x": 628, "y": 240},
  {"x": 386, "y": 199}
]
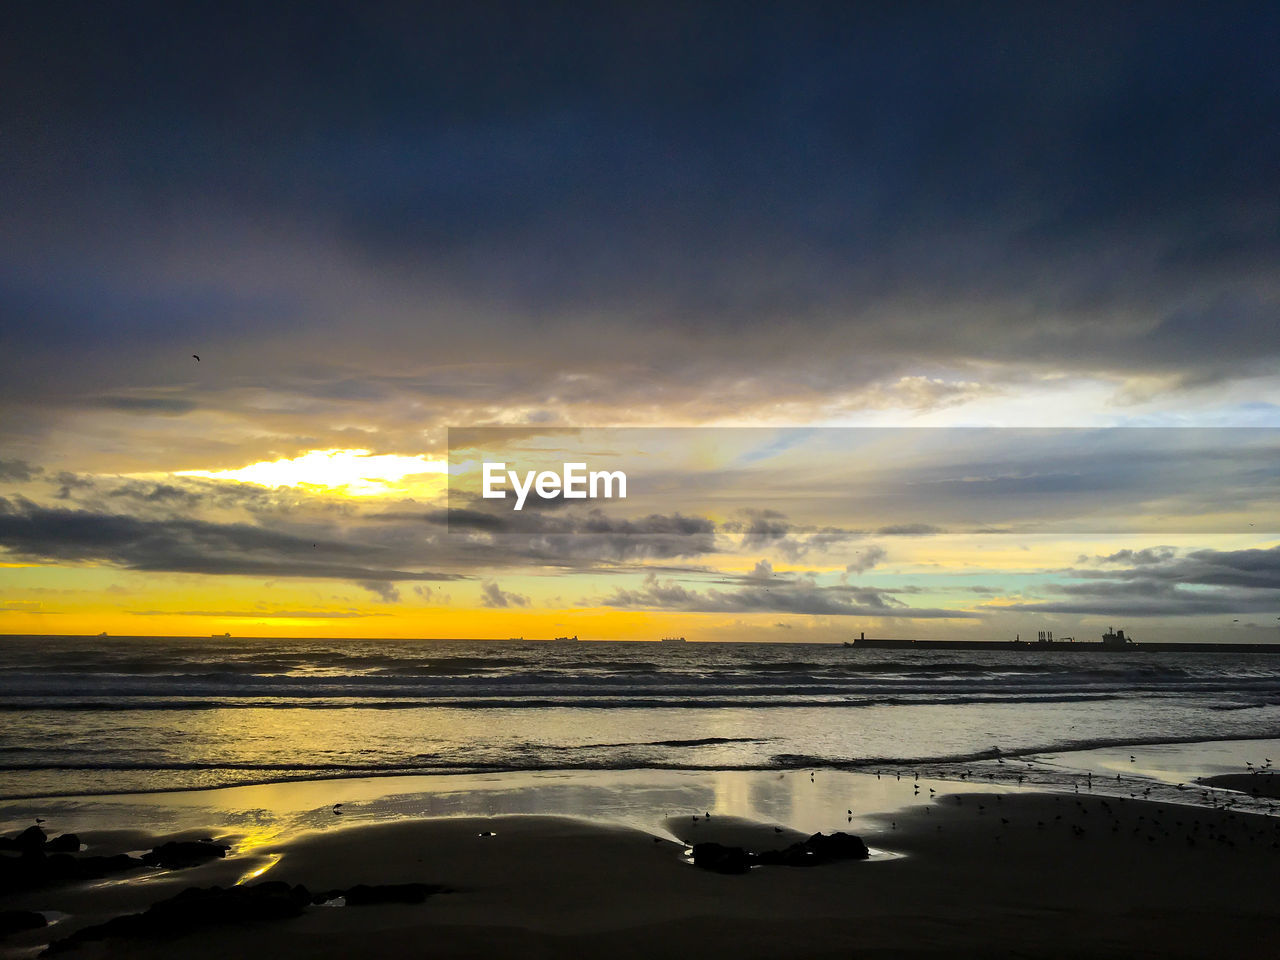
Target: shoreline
[{"x": 937, "y": 768}]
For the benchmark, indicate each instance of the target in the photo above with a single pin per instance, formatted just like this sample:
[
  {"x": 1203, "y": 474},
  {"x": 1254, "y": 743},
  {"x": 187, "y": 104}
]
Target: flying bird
[{"x": 196, "y": 357}]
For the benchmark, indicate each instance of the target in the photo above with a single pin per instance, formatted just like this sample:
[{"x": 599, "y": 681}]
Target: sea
[{"x": 100, "y": 716}]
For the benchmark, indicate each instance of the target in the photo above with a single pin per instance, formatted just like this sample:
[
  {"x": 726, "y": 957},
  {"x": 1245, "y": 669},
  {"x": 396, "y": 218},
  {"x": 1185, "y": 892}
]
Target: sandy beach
[{"x": 967, "y": 873}]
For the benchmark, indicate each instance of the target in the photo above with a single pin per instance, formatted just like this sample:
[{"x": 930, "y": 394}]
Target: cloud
[
  {"x": 170, "y": 406},
  {"x": 68, "y": 482},
  {"x": 17, "y": 471},
  {"x": 909, "y": 530},
  {"x": 800, "y": 597},
  {"x": 975, "y": 237},
  {"x": 868, "y": 557},
  {"x": 188, "y": 546},
  {"x": 259, "y": 614},
  {"x": 491, "y": 595},
  {"x": 1162, "y": 583},
  {"x": 758, "y": 527},
  {"x": 838, "y": 214},
  {"x": 1148, "y": 555},
  {"x": 162, "y": 493},
  {"x": 20, "y": 606},
  {"x": 383, "y": 589}
]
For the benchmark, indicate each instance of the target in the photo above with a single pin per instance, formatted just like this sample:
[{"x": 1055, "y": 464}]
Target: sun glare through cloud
[{"x": 357, "y": 473}]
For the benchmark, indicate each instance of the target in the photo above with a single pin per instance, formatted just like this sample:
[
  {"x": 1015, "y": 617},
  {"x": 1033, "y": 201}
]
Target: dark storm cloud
[
  {"x": 802, "y": 596},
  {"x": 1142, "y": 602},
  {"x": 505, "y": 520},
  {"x": 69, "y": 483},
  {"x": 156, "y": 493},
  {"x": 188, "y": 546},
  {"x": 17, "y": 471},
  {"x": 1162, "y": 583},
  {"x": 758, "y": 527},
  {"x": 807, "y": 198},
  {"x": 569, "y": 539},
  {"x": 596, "y": 534}
]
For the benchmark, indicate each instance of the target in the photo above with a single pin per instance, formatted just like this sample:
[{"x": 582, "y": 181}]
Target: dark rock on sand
[
  {"x": 67, "y": 843},
  {"x": 837, "y": 846},
  {"x": 15, "y": 921},
  {"x": 721, "y": 859},
  {"x": 34, "y": 869},
  {"x": 819, "y": 848},
  {"x": 177, "y": 854},
  {"x": 196, "y": 908},
  {"x": 796, "y": 855},
  {"x": 32, "y": 838}
]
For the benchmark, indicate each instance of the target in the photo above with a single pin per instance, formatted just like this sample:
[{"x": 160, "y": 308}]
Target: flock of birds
[
  {"x": 1229, "y": 825},
  {"x": 1189, "y": 826}
]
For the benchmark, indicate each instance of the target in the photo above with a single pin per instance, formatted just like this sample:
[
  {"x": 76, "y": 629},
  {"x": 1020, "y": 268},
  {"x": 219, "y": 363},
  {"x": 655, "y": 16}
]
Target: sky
[{"x": 376, "y": 223}]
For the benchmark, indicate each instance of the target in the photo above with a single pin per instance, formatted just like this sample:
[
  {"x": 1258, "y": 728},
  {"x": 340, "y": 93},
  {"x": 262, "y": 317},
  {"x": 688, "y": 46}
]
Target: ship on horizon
[{"x": 1116, "y": 638}]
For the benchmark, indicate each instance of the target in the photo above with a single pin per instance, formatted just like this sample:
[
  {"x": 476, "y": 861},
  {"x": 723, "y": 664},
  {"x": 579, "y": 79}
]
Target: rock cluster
[
  {"x": 32, "y": 860},
  {"x": 819, "y": 848},
  {"x": 199, "y": 907},
  {"x": 15, "y": 921},
  {"x": 41, "y": 862}
]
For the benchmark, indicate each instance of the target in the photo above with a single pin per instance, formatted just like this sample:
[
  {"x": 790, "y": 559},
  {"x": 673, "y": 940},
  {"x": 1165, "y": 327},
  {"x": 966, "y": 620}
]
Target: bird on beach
[{"x": 39, "y": 819}]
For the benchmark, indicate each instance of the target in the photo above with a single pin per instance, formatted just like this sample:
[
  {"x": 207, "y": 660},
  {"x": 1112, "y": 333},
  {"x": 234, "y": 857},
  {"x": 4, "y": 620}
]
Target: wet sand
[
  {"x": 1261, "y": 784},
  {"x": 980, "y": 874}
]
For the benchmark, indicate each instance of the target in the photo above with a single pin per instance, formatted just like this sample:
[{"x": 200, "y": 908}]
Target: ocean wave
[
  {"x": 941, "y": 765},
  {"x": 809, "y": 699}
]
